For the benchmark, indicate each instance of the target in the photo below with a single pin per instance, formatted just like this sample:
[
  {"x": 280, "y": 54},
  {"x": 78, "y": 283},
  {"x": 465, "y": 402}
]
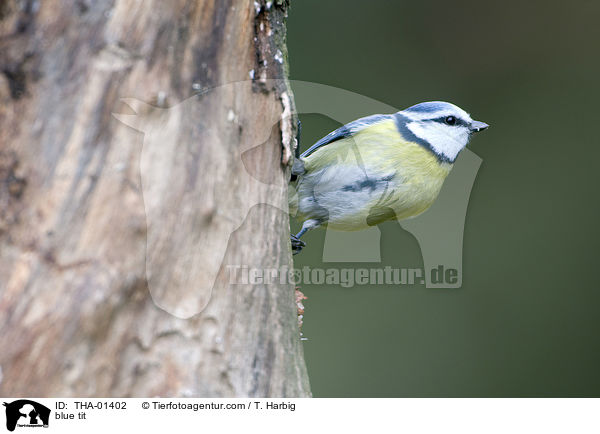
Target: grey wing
[{"x": 346, "y": 131}]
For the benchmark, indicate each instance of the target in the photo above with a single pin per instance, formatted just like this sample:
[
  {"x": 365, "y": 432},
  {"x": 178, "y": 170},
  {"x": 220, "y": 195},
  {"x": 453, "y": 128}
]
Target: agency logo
[
  {"x": 25, "y": 413},
  {"x": 177, "y": 207}
]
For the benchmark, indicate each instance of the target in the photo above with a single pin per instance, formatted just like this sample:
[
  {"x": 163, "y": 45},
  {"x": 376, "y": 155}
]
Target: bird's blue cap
[{"x": 428, "y": 107}]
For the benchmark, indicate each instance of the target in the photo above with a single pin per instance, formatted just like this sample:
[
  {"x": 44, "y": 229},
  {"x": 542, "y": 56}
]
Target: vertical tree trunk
[{"x": 115, "y": 244}]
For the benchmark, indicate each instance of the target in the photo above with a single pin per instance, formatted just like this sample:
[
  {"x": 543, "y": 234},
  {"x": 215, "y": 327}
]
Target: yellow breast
[{"x": 378, "y": 152}]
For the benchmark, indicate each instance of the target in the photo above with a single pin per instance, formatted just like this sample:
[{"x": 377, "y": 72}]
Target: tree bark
[{"x": 116, "y": 245}]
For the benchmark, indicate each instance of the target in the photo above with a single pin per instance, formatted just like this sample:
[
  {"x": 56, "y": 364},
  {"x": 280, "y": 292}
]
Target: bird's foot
[{"x": 297, "y": 244}]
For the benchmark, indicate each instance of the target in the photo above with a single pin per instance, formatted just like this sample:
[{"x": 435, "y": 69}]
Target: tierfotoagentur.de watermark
[
  {"x": 194, "y": 271},
  {"x": 344, "y": 277}
]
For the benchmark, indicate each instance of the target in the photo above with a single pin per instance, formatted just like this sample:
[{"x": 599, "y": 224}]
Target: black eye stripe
[{"x": 442, "y": 120}]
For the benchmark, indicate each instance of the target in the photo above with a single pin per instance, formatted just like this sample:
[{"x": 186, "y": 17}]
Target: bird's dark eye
[{"x": 450, "y": 120}]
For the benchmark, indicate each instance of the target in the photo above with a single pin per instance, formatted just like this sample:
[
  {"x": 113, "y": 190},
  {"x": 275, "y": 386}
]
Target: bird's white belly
[{"x": 343, "y": 196}]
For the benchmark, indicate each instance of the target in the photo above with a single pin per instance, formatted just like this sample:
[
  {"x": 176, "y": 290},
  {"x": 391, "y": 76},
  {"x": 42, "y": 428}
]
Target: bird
[{"x": 378, "y": 168}]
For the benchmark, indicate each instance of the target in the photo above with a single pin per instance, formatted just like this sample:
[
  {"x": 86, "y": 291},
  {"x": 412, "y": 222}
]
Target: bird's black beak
[{"x": 477, "y": 126}]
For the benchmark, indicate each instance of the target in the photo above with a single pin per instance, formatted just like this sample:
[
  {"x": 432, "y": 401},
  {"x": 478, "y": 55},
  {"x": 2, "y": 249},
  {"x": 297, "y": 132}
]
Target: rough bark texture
[{"x": 111, "y": 239}]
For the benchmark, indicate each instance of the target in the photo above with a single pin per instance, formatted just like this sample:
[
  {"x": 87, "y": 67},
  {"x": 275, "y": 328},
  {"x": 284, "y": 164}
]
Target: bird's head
[{"x": 442, "y": 127}]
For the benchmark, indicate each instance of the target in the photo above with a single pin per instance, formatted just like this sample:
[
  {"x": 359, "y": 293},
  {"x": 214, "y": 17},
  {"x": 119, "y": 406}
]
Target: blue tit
[{"x": 378, "y": 168}]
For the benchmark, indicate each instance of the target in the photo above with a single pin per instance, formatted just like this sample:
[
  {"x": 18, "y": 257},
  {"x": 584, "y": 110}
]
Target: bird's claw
[{"x": 297, "y": 244}]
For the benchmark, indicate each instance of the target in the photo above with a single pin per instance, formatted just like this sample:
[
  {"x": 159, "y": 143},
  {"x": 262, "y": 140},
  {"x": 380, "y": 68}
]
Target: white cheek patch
[{"x": 444, "y": 139}]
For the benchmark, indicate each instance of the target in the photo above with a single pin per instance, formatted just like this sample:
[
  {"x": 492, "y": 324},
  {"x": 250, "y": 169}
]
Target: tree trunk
[{"x": 117, "y": 245}]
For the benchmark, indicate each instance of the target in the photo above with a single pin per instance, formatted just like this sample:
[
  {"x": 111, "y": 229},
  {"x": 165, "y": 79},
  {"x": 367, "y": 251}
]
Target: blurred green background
[{"x": 526, "y": 321}]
